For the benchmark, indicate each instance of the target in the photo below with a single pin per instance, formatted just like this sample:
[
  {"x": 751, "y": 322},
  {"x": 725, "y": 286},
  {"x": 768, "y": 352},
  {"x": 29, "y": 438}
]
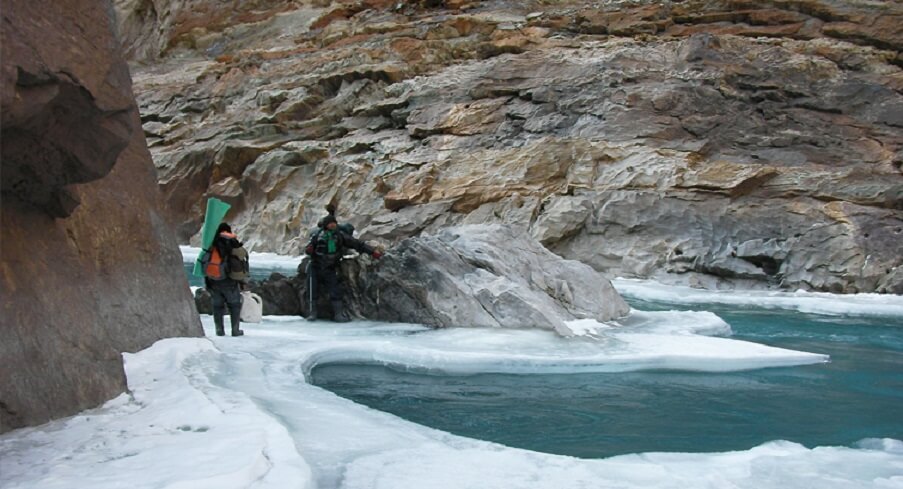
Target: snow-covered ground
[
  {"x": 222, "y": 412},
  {"x": 238, "y": 413}
]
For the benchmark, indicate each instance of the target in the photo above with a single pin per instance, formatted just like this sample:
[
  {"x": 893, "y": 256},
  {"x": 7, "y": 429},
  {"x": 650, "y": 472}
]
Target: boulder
[
  {"x": 479, "y": 276},
  {"x": 91, "y": 268},
  {"x": 203, "y": 302},
  {"x": 281, "y": 295}
]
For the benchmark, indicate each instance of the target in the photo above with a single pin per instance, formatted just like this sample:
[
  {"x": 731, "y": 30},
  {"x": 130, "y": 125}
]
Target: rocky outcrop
[
  {"x": 713, "y": 143},
  {"x": 466, "y": 276},
  {"x": 90, "y": 266},
  {"x": 481, "y": 276}
]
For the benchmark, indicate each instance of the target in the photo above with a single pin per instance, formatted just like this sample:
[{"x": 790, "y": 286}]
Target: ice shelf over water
[
  {"x": 802, "y": 301},
  {"x": 238, "y": 413}
]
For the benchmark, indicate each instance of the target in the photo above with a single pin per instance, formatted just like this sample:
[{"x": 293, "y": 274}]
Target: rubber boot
[
  {"x": 338, "y": 313},
  {"x": 235, "y": 317},
  {"x": 218, "y": 322}
]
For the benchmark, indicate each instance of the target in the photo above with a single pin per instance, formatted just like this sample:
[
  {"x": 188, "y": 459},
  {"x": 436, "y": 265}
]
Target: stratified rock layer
[
  {"x": 481, "y": 276},
  {"x": 90, "y": 267},
  {"x": 713, "y": 143}
]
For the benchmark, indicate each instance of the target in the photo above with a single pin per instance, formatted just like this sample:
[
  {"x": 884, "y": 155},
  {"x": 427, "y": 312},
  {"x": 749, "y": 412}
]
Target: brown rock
[
  {"x": 640, "y": 137},
  {"x": 90, "y": 267}
]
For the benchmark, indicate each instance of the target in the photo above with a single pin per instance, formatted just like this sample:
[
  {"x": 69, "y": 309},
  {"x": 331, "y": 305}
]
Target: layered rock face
[
  {"x": 713, "y": 143},
  {"x": 464, "y": 276},
  {"x": 483, "y": 276},
  {"x": 90, "y": 266}
]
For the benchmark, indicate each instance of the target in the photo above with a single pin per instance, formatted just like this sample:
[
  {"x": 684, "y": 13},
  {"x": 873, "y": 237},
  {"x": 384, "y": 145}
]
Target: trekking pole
[
  {"x": 311, "y": 307},
  {"x": 378, "y": 308}
]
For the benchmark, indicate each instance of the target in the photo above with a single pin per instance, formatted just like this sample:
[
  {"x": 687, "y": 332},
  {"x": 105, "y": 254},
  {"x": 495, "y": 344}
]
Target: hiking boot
[
  {"x": 235, "y": 318},
  {"x": 218, "y": 323},
  {"x": 338, "y": 313}
]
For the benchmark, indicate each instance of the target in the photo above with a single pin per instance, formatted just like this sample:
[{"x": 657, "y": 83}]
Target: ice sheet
[
  {"x": 222, "y": 412},
  {"x": 809, "y": 302}
]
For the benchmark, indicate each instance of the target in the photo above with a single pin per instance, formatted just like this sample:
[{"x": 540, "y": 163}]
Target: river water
[{"x": 857, "y": 395}]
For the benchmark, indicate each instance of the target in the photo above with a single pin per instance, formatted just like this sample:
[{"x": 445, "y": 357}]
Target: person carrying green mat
[
  {"x": 223, "y": 263},
  {"x": 225, "y": 273}
]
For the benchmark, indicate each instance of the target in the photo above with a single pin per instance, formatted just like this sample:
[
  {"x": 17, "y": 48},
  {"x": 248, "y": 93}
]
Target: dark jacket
[
  {"x": 224, "y": 243},
  {"x": 318, "y": 247}
]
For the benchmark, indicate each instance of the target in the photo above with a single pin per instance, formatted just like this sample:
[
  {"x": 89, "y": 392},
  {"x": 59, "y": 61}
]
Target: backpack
[
  {"x": 215, "y": 268},
  {"x": 320, "y": 240},
  {"x": 238, "y": 265}
]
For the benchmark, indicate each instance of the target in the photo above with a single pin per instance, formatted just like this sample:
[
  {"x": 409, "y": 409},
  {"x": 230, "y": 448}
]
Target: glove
[
  {"x": 376, "y": 255},
  {"x": 309, "y": 250}
]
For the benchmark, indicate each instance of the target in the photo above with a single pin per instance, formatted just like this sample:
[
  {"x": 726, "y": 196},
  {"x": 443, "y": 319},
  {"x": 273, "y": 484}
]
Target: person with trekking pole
[{"x": 326, "y": 248}]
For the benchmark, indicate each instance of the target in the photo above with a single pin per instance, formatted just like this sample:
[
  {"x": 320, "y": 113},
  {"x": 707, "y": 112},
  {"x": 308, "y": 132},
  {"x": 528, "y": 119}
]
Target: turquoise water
[{"x": 859, "y": 394}]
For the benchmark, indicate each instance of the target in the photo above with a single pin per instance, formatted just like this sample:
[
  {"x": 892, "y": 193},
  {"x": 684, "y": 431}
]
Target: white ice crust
[{"x": 224, "y": 413}]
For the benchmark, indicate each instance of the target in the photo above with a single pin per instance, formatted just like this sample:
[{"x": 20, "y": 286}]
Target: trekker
[
  {"x": 326, "y": 247},
  {"x": 225, "y": 289}
]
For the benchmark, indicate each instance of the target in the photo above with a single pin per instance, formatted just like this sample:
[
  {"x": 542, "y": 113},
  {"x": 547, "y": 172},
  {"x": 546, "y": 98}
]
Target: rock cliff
[
  {"x": 90, "y": 266},
  {"x": 715, "y": 143}
]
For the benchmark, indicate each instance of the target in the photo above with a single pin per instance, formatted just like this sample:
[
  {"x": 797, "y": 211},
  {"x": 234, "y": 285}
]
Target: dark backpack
[{"x": 239, "y": 268}]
